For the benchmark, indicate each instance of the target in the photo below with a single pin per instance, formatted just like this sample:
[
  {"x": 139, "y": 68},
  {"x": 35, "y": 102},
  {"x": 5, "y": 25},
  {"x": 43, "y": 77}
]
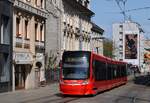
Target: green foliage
[
  {"x": 108, "y": 48},
  {"x": 52, "y": 60}
]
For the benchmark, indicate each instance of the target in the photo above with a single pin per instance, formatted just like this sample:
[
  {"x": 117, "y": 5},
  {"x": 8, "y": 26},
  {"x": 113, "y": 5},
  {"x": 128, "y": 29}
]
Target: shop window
[{"x": 3, "y": 68}]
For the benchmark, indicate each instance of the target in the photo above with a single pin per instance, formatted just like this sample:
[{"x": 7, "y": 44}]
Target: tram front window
[{"x": 75, "y": 67}]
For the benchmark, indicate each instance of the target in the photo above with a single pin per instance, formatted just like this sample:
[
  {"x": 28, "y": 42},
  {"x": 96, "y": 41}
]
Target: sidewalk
[{"x": 30, "y": 96}]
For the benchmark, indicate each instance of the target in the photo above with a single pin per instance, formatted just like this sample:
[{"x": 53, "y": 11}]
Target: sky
[{"x": 107, "y": 12}]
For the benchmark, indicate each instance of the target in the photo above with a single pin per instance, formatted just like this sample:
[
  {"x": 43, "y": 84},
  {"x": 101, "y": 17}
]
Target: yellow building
[{"x": 29, "y": 18}]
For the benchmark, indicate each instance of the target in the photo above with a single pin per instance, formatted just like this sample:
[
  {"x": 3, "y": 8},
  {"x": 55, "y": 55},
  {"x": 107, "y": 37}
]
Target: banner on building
[
  {"x": 131, "y": 46},
  {"x": 147, "y": 57}
]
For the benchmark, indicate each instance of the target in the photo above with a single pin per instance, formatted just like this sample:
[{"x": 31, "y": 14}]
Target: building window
[
  {"x": 120, "y": 32},
  {"x": 4, "y": 36},
  {"x": 28, "y": 0},
  {"x": 26, "y": 30},
  {"x": 41, "y": 3},
  {"x": 42, "y": 33},
  {"x": 36, "y": 2},
  {"x": 17, "y": 27},
  {"x": 36, "y": 32},
  {"x": 121, "y": 26}
]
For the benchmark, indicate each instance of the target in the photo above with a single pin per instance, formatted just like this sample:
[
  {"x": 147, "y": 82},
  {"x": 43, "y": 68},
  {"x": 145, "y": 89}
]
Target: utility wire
[{"x": 122, "y": 9}]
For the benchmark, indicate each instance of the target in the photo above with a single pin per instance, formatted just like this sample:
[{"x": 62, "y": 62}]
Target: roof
[
  {"x": 82, "y": 9},
  {"x": 96, "y": 28}
]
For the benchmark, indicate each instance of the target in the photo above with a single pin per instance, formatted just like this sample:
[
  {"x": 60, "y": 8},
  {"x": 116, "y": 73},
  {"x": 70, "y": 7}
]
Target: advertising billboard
[{"x": 131, "y": 46}]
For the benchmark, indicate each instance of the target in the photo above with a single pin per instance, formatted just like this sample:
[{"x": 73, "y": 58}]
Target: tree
[
  {"x": 108, "y": 48},
  {"x": 52, "y": 59}
]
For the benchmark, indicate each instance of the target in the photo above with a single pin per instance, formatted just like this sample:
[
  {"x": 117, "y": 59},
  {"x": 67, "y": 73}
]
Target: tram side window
[
  {"x": 118, "y": 71},
  {"x": 115, "y": 71},
  {"x": 112, "y": 71},
  {"x": 99, "y": 70},
  {"x": 123, "y": 70},
  {"x": 109, "y": 72}
]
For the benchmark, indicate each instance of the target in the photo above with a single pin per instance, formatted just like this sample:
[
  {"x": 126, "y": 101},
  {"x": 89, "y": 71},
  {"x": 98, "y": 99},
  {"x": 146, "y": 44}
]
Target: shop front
[
  {"x": 23, "y": 63},
  {"x": 5, "y": 69}
]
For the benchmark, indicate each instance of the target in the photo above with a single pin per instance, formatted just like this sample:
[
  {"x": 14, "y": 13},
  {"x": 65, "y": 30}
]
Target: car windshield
[{"x": 75, "y": 66}]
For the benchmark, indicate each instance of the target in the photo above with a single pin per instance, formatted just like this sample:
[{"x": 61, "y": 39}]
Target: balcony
[
  {"x": 19, "y": 42},
  {"x": 39, "y": 46},
  {"x": 27, "y": 44}
]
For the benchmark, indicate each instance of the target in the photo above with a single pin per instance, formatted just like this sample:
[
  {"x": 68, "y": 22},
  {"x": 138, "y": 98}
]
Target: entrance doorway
[{"x": 20, "y": 76}]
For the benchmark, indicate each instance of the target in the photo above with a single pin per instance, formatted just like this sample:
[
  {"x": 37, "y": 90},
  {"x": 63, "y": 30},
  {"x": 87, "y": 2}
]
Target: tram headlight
[
  {"x": 61, "y": 82},
  {"x": 85, "y": 82}
]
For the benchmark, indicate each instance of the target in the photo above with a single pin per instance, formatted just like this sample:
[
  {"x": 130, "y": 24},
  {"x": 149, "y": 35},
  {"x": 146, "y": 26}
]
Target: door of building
[{"x": 20, "y": 77}]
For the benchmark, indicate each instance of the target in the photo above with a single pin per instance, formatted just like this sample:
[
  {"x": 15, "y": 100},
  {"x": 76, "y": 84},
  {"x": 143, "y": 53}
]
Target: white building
[{"x": 128, "y": 43}]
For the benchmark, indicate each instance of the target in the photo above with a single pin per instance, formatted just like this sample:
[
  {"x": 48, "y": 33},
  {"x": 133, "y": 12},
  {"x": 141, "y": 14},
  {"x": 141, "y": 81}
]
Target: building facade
[
  {"x": 29, "y": 17},
  {"x": 68, "y": 27},
  {"x": 76, "y": 25},
  {"x": 127, "y": 42},
  {"x": 6, "y": 7},
  {"x": 97, "y": 39},
  {"x": 53, "y": 31}
]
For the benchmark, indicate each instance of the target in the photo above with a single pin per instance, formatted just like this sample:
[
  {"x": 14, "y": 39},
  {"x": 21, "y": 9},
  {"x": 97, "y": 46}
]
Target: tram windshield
[{"x": 75, "y": 65}]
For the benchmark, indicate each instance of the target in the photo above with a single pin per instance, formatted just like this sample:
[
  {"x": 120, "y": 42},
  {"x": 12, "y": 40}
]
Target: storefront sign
[{"x": 23, "y": 58}]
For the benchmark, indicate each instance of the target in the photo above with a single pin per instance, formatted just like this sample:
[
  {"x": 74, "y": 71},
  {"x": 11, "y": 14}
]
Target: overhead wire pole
[{"x": 122, "y": 9}]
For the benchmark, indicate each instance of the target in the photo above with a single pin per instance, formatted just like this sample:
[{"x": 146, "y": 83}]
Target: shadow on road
[{"x": 142, "y": 80}]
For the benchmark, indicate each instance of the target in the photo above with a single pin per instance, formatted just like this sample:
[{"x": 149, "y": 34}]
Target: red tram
[{"x": 86, "y": 73}]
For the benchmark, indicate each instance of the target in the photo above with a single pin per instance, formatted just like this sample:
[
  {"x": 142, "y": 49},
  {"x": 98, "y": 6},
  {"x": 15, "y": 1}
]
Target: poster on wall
[
  {"x": 147, "y": 57},
  {"x": 131, "y": 46}
]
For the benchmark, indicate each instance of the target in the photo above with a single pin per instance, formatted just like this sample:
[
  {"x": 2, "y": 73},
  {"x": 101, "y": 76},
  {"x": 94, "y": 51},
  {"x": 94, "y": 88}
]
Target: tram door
[{"x": 20, "y": 76}]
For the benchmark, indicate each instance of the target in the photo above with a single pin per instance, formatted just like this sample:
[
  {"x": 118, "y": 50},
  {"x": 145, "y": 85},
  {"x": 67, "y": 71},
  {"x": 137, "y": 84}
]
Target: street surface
[{"x": 129, "y": 93}]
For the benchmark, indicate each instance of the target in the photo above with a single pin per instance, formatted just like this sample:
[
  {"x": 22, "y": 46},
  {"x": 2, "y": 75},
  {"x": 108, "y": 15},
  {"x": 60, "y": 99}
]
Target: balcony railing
[
  {"x": 19, "y": 42},
  {"x": 27, "y": 44},
  {"x": 39, "y": 45}
]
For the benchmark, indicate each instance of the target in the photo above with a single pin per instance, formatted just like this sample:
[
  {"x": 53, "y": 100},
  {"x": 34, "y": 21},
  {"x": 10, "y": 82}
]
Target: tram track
[{"x": 131, "y": 99}]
